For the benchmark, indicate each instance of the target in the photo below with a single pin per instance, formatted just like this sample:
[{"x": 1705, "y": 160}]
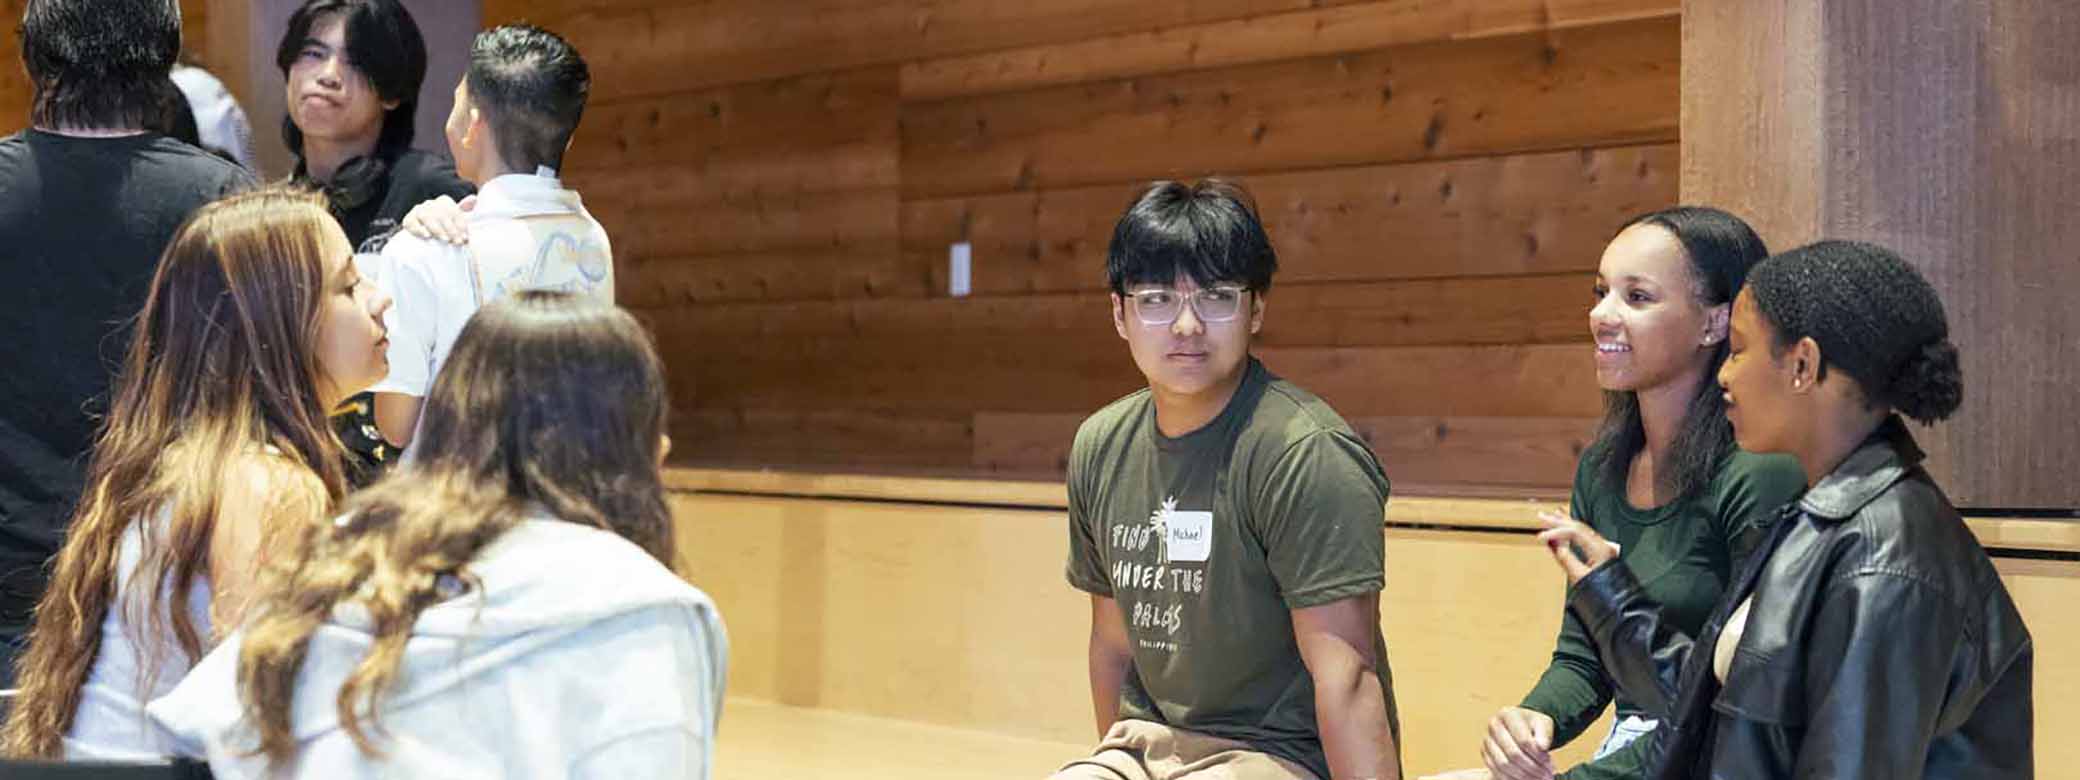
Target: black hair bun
[{"x": 1930, "y": 385}]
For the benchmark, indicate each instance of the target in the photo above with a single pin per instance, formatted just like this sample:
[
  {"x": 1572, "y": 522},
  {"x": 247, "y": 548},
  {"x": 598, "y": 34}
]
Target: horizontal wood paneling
[
  {"x": 863, "y": 222},
  {"x": 1303, "y": 33},
  {"x": 638, "y": 47},
  {"x": 1517, "y": 214},
  {"x": 783, "y": 183},
  {"x": 1482, "y": 310},
  {"x": 741, "y": 123},
  {"x": 658, "y": 282},
  {"x": 1514, "y": 381},
  {"x": 1602, "y": 85}
]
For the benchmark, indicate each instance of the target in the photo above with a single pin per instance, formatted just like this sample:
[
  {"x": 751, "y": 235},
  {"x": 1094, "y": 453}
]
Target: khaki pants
[{"x": 1140, "y": 750}]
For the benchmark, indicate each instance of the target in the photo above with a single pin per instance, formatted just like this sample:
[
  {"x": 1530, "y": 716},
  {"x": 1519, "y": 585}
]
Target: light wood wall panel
[{"x": 783, "y": 183}]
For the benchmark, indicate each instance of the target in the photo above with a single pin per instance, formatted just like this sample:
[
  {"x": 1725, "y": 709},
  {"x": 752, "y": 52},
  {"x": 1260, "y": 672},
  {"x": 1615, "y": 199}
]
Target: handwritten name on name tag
[{"x": 1190, "y": 536}]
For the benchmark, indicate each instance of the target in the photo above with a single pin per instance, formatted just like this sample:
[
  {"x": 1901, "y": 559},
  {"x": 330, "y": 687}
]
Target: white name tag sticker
[{"x": 1190, "y": 537}]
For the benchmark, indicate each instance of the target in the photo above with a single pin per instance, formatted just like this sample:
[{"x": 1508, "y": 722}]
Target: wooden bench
[{"x": 940, "y": 603}]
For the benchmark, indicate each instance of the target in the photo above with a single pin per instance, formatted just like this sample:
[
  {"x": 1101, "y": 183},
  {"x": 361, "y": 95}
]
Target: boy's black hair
[
  {"x": 1207, "y": 230},
  {"x": 532, "y": 86},
  {"x": 383, "y": 42}
]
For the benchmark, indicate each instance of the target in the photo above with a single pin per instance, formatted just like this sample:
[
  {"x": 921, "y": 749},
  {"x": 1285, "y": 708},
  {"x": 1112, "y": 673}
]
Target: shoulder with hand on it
[{"x": 404, "y": 252}]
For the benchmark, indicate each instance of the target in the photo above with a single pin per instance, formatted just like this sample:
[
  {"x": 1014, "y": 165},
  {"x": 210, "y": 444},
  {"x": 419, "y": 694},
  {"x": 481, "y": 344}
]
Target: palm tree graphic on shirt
[{"x": 1159, "y": 527}]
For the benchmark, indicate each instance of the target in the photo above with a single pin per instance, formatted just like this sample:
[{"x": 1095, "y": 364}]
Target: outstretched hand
[{"x": 1575, "y": 546}]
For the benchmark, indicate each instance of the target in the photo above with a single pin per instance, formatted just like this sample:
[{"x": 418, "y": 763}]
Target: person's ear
[
  {"x": 1256, "y": 311},
  {"x": 1804, "y": 364},
  {"x": 1716, "y": 320},
  {"x": 479, "y": 128},
  {"x": 1119, "y": 315}
]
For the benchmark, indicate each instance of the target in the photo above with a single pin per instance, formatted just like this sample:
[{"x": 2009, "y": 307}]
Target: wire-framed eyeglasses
[{"x": 1161, "y": 306}]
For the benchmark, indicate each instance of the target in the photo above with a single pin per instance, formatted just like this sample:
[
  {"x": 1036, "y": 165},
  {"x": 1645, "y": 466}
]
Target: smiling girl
[{"x": 1663, "y": 478}]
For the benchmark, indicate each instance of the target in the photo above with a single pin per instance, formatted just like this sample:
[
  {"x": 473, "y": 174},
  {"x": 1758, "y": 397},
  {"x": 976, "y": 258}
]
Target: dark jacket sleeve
[{"x": 1642, "y": 651}]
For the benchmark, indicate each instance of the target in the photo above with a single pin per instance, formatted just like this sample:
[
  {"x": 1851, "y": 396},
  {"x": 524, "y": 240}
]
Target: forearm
[
  {"x": 397, "y": 416},
  {"x": 1573, "y": 692},
  {"x": 1108, "y": 676},
  {"x": 1351, "y": 713}
]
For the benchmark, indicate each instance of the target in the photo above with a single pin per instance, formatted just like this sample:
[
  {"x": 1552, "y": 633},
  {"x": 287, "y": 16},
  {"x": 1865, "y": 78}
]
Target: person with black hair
[
  {"x": 351, "y": 73},
  {"x": 1869, "y": 636},
  {"x": 515, "y": 110},
  {"x": 1662, "y": 479},
  {"x": 90, "y": 195},
  {"x": 1228, "y": 526}
]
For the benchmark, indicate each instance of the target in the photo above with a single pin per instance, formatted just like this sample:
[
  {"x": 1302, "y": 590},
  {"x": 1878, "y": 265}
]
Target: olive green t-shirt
[
  {"x": 1210, "y": 539},
  {"x": 1684, "y": 554}
]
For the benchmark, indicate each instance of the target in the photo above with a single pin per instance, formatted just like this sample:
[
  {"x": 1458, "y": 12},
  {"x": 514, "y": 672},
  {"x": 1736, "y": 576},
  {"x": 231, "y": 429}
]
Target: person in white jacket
[
  {"x": 514, "y": 113},
  {"x": 498, "y": 607}
]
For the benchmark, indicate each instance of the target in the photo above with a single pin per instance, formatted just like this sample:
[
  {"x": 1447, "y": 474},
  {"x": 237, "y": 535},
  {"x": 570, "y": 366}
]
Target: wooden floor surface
[{"x": 765, "y": 741}]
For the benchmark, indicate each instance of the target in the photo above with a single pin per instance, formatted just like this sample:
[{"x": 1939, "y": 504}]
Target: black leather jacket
[{"x": 1880, "y": 643}]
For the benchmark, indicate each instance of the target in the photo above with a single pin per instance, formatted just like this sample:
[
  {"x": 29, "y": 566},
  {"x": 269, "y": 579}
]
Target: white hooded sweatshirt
[{"x": 581, "y": 656}]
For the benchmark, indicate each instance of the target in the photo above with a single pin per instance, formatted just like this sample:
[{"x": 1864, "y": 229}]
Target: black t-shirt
[
  {"x": 82, "y": 224},
  {"x": 408, "y": 180}
]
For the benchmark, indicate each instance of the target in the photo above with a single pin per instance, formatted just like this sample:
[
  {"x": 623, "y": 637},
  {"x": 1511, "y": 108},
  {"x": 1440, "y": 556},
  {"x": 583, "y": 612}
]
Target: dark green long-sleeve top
[{"x": 1684, "y": 552}]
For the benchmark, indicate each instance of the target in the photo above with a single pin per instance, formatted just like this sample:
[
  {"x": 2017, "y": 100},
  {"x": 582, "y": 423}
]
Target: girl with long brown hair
[
  {"x": 500, "y": 605},
  {"x": 256, "y": 323}
]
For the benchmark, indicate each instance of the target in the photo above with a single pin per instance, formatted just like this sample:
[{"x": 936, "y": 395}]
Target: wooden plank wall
[
  {"x": 14, "y": 84},
  {"x": 1951, "y": 138},
  {"x": 782, "y": 182}
]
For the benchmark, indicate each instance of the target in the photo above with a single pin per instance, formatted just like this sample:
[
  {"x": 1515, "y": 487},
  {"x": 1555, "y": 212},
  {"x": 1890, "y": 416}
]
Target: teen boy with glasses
[{"x": 1227, "y": 525}]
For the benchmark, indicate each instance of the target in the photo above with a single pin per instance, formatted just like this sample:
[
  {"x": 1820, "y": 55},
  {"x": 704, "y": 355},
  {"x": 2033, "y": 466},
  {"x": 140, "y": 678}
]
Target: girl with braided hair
[{"x": 1870, "y": 636}]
